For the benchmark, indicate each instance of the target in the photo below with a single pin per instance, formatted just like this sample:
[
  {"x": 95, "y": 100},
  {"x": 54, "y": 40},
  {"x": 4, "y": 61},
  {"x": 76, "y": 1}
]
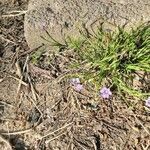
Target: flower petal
[
  {"x": 74, "y": 81},
  {"x": 147, "y": 102},
  {"x": 103, "y": 90},
  {"x": 78, "y": 87}
]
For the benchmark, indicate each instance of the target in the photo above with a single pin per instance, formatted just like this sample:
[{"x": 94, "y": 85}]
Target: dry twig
[
  {"x": 61, "y": 128},
  {"x": 16, "y": 132},
  {"x": 14, "y": 13}
]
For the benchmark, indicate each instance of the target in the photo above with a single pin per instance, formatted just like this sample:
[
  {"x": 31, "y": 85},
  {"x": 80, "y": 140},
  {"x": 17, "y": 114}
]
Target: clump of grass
[
  {"x": 36, "y": 56},
  {"x": 113, "y": 58}
]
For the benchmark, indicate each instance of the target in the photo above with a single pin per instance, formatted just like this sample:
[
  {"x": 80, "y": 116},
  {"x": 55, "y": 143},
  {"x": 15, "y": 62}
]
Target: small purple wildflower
[
  {"x": 75, "y": 82},
  {"x": 147, "y": 102},
  {"x": 78, "y": 87},
  {"x": 105, "y": 93}
]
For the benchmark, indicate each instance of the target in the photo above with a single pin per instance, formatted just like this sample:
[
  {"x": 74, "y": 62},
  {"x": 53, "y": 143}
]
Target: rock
[{"x": 63, "y": 18}]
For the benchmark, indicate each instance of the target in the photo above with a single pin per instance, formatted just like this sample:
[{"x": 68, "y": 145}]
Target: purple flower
[
  {"x": 78, "y": 87},
  {"x": 147, "y": 102},
  {"x": 75, "y": 82},
  {"x": 105, "y": 92}
]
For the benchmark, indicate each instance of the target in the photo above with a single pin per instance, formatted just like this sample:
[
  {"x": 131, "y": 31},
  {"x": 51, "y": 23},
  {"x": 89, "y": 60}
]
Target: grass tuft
[{"x": 114, "y": 58}]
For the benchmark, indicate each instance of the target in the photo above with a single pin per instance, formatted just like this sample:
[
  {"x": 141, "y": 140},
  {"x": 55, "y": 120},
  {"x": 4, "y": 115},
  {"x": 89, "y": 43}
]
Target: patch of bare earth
[{"x": 39, "y": 110}]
